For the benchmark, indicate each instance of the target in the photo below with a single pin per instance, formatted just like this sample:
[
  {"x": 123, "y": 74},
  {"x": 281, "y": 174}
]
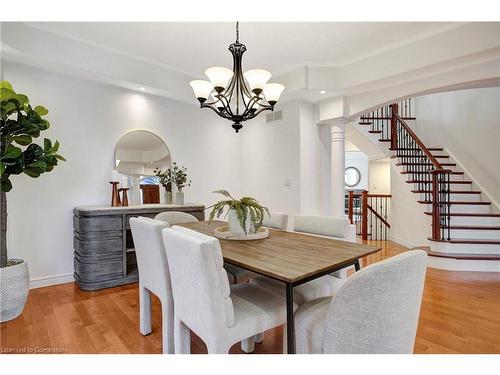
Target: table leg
[
  {"x": 357, "y": 266},
  {"x": 290, "y": 327}
]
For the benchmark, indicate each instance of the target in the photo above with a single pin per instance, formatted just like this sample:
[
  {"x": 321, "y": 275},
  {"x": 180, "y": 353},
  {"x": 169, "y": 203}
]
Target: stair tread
[
  {"x": 375, "y": 131},
  {"x": 435, "y": 156},
  {"x": 384, "y": 140},
  {"x": 443, "y": 164},
  {"x": 461, "y": 202},
  {"x": 451, "y": 191},
  {"x": 467, "y": 214},
  {"x": 415, "y": 172},
  {"x": 429, "y": 148},
  {"x": 430, "y": 182},
  {"x": 464, "y": 256},
  {"x": 471, "y": 227},
  {"x": 478, "y": 241}
]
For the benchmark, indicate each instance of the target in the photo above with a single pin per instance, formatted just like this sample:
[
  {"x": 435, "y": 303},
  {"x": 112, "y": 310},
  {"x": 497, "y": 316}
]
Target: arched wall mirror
[
  {"x": 352, "y": 176},
  {"x": 137, "y": 154}
]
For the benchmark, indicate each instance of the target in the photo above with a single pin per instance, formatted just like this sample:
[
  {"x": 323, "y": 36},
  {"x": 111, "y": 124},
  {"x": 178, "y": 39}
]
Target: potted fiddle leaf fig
[
  {"x": 20, "y": 125},
  {"x": 244, "y": 215},
  {"x": 179, "y": 178},
  {"x": 166, "y": 181}
]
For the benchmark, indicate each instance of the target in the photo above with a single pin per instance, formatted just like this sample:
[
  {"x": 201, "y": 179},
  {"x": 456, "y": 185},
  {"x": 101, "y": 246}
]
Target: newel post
[
  {"x": 394, "y": 126},
  {"x": 364, "y": 215},
  {"x": 350, "y": 204},
  {"x": 436, "y": 214}
]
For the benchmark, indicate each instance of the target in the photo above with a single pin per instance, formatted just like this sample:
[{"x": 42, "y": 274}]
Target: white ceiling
[{"x": 192, "y": 47}]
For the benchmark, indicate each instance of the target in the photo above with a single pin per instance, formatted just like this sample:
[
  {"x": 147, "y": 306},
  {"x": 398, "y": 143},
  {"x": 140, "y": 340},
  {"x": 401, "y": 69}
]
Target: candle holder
[
  {"x": 115, "y": 197},
  {"x": 124, "y": 195}
]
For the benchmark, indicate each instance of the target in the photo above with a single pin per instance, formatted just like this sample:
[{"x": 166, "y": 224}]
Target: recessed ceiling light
[
  {"x": 142, "y": 89},
  {"x": 322, "y": 92}
]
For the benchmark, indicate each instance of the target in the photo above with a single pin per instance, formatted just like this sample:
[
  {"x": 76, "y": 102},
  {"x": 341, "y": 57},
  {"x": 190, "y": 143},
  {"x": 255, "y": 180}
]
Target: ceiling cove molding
[
  {"x": 459, "y": 47},
  {"x": 30, "y": 46}
]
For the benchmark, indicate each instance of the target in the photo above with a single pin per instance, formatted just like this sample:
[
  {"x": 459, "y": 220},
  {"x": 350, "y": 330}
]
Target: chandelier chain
[{"x": 237, "y": 31}]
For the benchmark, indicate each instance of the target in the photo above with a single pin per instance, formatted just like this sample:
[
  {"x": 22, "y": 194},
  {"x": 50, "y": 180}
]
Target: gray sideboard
[{"x": 104, "y": 253}]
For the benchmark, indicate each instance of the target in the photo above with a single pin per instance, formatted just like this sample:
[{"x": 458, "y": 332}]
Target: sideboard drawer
[
  {"x": 99, "y": 246},
  {"x": 97, "y": 223},
  {"x": 99, "y": 271}
]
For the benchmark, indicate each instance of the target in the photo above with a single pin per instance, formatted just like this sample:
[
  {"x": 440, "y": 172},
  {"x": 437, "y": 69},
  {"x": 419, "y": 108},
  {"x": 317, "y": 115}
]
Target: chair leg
[
  {"x": 182, "y": 338},
  {"x": 285, "y": 343},
  {"x": 144, "y": 311},
  {"x": 167, "y": 328},
  {"x": 217, "y": 348},
  {"x": 258, "y": 338},
  {"x": 248, "y": 345}
]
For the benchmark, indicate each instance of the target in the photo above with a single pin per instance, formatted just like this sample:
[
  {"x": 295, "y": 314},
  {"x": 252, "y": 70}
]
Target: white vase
[
  {"x": 179, "y": 197},
  {"x": 235, "y": 227},
  {"x": 14, "y": 286}
]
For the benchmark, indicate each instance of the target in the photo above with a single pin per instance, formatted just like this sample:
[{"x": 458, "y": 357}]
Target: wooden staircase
[{"x": 465, "y": 225}]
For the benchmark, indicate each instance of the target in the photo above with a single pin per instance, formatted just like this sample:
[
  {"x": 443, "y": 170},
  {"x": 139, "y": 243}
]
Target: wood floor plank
[{"x": 459, "y": 314}]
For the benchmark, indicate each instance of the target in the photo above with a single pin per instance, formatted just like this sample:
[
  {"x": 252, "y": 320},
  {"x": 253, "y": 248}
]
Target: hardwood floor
[{"x": 460, "y": 314}]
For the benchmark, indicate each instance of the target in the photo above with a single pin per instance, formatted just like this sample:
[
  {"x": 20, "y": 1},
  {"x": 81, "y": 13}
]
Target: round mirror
[
  {"x": 352, "y": 176},
  {"x": 139, "y": 152}
]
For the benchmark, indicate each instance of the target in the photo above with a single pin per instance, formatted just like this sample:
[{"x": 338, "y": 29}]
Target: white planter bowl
[
  {"x": 235, "y": 227},
  {"x": 14, "y": 286}
]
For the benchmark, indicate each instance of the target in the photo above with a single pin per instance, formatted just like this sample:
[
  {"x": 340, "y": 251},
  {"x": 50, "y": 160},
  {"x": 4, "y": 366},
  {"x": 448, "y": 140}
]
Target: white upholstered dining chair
[
  {"x": 154, "y": 276},
  {"x": 276, "y": 220},
  {"x": 321, "y": 287},
  {"x": 376, "y": 311},
  {"x": 204, "y": 302},
  {"x": 175, "y": 217},
  {"x": 331, "y": 227}
]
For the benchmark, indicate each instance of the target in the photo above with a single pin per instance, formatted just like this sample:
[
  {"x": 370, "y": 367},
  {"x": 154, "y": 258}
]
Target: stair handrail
[
  {"x": 425, "y": 150},
  {"x": 440, "y": 178}
]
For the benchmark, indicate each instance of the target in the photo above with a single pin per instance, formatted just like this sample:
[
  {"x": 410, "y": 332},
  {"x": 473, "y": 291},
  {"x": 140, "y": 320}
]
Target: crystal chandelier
[{"x": 235, "y": 95}]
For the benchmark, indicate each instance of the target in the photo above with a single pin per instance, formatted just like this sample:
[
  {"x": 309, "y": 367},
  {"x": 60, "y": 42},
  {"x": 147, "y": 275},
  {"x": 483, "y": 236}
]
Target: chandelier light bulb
[
  {"x": 202, "y": 89},
  {"x": 219, "y": 77},
  {"x": 273, "y": 91},
  {"x": 257, "y": 79}
]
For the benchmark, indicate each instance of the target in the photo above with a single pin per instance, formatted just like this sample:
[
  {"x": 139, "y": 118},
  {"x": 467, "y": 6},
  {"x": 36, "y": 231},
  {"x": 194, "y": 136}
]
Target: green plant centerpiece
[
  {"x": 20, "y": 124},
  {"x": 165, "y": 179},
  {"x": 245, "y": 215}
]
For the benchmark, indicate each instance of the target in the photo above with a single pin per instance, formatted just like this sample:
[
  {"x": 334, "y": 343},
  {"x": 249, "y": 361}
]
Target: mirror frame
[{"x": 358, "y": 179}]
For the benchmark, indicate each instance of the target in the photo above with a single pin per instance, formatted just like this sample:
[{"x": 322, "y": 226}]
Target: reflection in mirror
[
  {"x": 137, "y": 154},
  {"x": 352, "y": 176}
]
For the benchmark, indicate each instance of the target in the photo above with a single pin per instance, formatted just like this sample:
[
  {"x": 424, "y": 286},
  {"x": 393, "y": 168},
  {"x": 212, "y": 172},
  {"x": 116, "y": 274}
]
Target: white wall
[
  {"x": 359, "y": 160},
  {"x": 409, "y": 225},
  {"x": 379, "y": 176},
  {"x": 88, "y": 119},
  {"x": 271, "y": 160},
  {"x": 310, "y": 161},
  {"x": 467, "y": 124}
]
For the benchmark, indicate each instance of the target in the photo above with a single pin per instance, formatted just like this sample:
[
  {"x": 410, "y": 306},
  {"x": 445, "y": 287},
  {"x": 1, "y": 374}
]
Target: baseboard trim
[
  {"x": 402, "y": 242},
  {"x": 40, "y": 282}
]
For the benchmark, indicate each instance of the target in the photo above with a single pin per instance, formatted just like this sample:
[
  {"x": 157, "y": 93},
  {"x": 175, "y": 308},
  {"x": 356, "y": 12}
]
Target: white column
[{"x": 337, "y": 168}]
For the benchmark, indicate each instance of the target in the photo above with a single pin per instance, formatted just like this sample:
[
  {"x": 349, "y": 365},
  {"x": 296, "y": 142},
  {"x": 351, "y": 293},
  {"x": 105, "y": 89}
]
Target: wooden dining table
[{"x": 289, "y": 257}]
